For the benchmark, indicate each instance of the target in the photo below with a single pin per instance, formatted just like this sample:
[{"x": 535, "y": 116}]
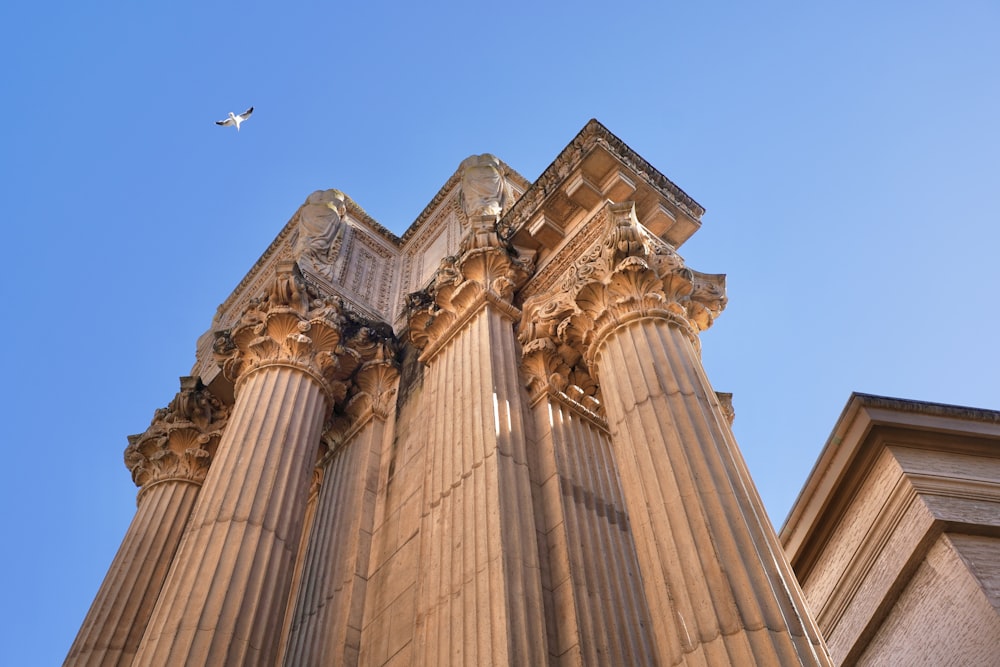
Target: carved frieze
[{"x": 181, "y": 439}]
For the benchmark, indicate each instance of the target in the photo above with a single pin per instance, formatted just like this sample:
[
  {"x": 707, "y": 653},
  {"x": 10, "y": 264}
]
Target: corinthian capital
[
  {"x": 548, "y": 364},
  {"x": 481, "y": 274},
  {"x": 181, "y": 439},
  {"x": 628, "y": 273},
  {"x": 291, "y": 326}
]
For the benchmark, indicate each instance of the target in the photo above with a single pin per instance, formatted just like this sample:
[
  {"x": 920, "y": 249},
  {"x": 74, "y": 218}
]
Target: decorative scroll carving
[
  {"x": 181, "y": 438},
  {"x": 627, "y": 273},
  {"x": 294, "y": 325}
]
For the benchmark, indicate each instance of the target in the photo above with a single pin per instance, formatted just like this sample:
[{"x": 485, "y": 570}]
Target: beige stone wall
[
  {"x": 944, "y": 615},
  {"x": 896, "y": 536}
]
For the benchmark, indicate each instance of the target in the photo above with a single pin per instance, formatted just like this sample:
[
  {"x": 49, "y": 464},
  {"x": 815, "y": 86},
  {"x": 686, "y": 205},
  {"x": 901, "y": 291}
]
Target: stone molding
[
  {"x": 592, "y": 135},
  {"x": 180, "y": 440}
]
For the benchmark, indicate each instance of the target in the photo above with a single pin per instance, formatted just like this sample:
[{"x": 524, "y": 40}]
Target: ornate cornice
[
  {"x": 281, "y": 244},
  {"x": 592, "y": 135},
  {"x": 180, "y": 440},
  {"x": 627, "y": 274},
  {"x": 296, "y": 327}
]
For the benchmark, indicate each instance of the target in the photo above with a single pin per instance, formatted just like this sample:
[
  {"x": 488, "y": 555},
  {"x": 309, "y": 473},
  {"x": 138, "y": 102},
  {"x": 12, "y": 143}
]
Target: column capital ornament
[
  {"x": 486, "y": 270},
  {"x": 293, "y": 325},
  {"x": 181, "y": 439},
  {"x": 372, "y": 395},
  {"x": 548, "y": 364},
  {"x": 481, "y": 274},
  {"x": 628, "y": 274}
]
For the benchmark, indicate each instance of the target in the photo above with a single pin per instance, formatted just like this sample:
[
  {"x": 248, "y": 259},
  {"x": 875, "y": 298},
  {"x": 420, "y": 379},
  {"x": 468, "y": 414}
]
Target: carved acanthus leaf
[
  {"x": 462, "y": 284},
  {"x": 549, "y": 364},
  {"x": 627, "y": 273},
  {"x": 293, "y": 326},
  {"x": 180, "y": 440}
]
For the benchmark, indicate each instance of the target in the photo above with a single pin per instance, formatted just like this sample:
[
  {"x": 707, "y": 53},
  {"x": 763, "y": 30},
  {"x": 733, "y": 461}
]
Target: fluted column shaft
[
  {"x": 596, "y": 588},
  {"x": 117, "y": 618},
  {"x": 479, "y": 600},
  {"x": 223, "y": 601},
  {"x": 328, "y": 615},
  {"x": 718, "y": 586},
  {"x": 169, "y": 462}
]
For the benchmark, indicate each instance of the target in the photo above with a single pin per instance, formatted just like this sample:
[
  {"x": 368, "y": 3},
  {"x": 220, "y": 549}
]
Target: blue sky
[{"x": 847, "y": 154}]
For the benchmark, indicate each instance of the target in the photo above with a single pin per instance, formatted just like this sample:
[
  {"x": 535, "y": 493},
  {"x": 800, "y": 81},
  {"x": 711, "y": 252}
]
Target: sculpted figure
[
  {"x": 320, "y": 230},
  {"x": 484, "y": 189}
]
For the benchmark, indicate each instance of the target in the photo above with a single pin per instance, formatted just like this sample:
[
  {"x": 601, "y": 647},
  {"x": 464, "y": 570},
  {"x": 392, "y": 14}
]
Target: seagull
[{"x": 234, "y": 119}]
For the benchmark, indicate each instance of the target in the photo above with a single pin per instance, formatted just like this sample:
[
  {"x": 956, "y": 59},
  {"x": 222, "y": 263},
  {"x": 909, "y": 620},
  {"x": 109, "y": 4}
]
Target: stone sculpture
[
  {"x": 484, "y": 189},
  {"x": 320, "y": 230}
]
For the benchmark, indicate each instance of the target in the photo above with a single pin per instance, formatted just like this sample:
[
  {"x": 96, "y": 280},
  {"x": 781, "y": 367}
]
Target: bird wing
[
  {"x": 246, "y": 114},
  {"x": 224, "y": 123}
]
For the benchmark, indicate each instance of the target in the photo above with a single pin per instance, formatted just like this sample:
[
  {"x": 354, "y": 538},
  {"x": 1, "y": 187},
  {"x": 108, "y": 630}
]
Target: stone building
[
  {"x": 488, "y": 441},
  {"x": 896, "y": 535}
]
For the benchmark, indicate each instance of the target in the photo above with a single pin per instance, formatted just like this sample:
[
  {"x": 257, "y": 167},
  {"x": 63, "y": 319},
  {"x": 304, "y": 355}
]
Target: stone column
[
  {"x": 308, "y": 524},
  {"x": 329, "y": 608},
  {"x": 224, "y": 599},
  {"x": 168, "y": 462},
  {"x": 599, "y": 614},
  {"x": 479, "y": 600},
  {"x": 718, "y": 585}
]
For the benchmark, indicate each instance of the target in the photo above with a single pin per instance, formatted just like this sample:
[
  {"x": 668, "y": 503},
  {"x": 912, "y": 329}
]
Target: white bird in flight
[{"x": 234, "y": 119}]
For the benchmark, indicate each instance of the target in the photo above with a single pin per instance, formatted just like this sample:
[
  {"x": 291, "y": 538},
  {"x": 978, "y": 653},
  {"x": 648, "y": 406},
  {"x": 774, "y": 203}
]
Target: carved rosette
[
  {"x": 628, "y": 274},
  {"x": 181, "y": 439},
  {"x": 292, "y": 327}
]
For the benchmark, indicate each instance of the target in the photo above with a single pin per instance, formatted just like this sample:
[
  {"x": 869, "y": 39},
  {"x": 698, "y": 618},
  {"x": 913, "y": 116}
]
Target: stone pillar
[
  {"x": 479, "y": 600},
  {"x": 599, "y": 614},
  {"x": 308, "y": 524},
  {"x": 329, "y": 608},
  {"x": 168, "y": 462},
  {"x": 719, "y": 588},
  {"x": 224, "y": 599}
]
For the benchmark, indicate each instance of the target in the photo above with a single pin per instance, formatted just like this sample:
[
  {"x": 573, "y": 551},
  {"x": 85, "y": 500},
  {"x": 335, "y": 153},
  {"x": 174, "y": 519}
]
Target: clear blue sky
[{"x": 847, "y": 154}]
